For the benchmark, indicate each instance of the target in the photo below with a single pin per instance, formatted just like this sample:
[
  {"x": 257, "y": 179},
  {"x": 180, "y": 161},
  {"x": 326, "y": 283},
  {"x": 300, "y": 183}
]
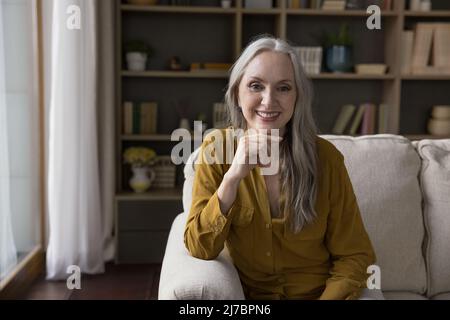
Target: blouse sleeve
[
  {"x": 207, "y": 227},
  {"x": 346, "y": 239}
]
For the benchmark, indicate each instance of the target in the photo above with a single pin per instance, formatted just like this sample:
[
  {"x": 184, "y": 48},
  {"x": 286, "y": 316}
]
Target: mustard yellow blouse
[{"x": 328, "y": 259}]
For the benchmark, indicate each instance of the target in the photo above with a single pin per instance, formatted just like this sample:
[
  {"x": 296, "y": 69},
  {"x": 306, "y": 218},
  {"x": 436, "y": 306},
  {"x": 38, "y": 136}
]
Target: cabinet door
[{"x": 143, "y": 228}]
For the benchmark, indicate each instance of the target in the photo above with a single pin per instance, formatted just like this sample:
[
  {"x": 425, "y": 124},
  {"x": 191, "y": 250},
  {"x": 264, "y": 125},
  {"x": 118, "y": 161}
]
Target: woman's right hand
[{"x": 249, "y": 147}]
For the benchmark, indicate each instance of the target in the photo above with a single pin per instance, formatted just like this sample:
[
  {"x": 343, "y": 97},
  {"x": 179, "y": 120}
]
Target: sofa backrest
[
  {"x": 435, "y": 182},
  {"x": 385, "y": 171}
]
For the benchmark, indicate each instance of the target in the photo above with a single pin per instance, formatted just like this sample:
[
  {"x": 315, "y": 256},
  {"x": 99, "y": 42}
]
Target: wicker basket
[{"x": 165, "y": 172}]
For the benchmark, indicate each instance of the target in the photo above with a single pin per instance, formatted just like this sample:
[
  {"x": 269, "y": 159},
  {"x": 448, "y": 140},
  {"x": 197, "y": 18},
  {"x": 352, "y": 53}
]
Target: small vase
[
  {"x": 142, "y": 179},
  {"x": 339, "y": 59}
]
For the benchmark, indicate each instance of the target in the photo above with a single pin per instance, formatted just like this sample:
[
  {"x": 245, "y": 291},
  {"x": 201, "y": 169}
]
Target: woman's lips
[{"x": 268, "y": 116}]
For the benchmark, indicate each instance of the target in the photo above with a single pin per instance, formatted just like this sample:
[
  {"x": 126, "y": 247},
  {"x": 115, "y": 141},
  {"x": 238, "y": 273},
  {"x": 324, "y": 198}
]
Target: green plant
[
  {"x": 201, "y": 117},
  {"x": 342, "y": 38},
  {"x": 138, "y": 46}
]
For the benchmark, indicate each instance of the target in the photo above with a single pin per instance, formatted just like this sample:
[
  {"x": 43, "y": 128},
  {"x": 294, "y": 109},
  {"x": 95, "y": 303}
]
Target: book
[
  {"x": 136, "y": 118},
  {"x": 357, "y": 120},
  {"x": 386, "y": 5},
  {"x": 128, "y": 117},
  {"x": 149, "y": 115},
  {"x": 383, "y": 118},
  {"x": 407, "y": 43},
  {"x": 422, "y": 46},
  {"x": 368, "y": 123},
  {"x": 441, "y": 45},
  {"x": 343, "y": 118}
]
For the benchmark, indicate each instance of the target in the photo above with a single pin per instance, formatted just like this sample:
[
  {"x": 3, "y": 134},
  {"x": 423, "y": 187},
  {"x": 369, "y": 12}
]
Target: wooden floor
[{"x": 124, "y": 282}]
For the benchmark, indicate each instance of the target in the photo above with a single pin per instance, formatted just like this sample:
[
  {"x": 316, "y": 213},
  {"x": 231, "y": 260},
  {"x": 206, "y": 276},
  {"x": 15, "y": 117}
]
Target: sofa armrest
[{"x": 185, "y": 277}]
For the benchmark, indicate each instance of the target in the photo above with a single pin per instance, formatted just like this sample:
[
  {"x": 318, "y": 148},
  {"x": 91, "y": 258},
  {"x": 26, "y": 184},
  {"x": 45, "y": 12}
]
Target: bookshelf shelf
[
  {"x": 261, "y": 11},
  {"x": 337, "y": 13},
  {"x": 351, "y": 76},
  {"x": 224, "y": 74},
  {"x": 443, "y": 77},
  {"x": 429, "y": 14},
  {"x": 177, "y": 9},
  {"x": 149, "y": 137},
  {"x": 152, "y": 194},
  {"x": 176, "y": 74}
]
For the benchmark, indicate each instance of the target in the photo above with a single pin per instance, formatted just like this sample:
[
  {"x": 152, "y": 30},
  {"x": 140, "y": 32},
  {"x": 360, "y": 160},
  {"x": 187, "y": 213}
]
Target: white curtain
[
  {"x": 81, "y": 139},
  {"x": 8, "y": 254}
]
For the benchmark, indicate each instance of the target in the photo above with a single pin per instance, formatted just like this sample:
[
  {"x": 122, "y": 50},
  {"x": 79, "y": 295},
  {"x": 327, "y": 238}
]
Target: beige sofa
[{"x": 403, "y": 191}]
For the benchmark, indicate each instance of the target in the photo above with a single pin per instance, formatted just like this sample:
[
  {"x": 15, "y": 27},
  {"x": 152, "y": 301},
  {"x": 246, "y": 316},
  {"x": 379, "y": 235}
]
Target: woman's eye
[
  {"x": 255, "y": 86},
  {"x": 285, "y": 88}
]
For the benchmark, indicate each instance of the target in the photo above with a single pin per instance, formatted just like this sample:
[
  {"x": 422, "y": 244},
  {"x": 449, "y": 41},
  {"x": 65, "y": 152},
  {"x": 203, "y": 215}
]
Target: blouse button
[
  {"x": 268, "y": 253},
  {"x": 267, "y": 225}
]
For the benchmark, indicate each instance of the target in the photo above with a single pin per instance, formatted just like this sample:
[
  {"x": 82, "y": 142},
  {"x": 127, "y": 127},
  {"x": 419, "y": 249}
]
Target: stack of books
[
  {"x": 355, "y": 120},
  {"x": 426, "y": 49},
  {"x": 140, "y": 118}
]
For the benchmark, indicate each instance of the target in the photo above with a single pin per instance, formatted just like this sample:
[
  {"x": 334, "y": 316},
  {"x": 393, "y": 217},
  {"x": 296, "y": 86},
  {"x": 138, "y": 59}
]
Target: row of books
[
  {"x": 426, "y": 49},
  {"x": 367, "y": 118},
  {"x": 140, "y": 118},
  {"x": 338, "y": 4}
]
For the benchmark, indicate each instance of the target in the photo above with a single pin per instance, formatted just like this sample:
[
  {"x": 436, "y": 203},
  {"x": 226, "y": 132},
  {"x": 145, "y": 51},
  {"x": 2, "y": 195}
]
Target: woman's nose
[{"x": 268, "y": 98}]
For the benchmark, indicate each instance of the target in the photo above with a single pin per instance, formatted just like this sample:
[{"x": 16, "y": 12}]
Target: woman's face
[{"x": 267, "y": 91}]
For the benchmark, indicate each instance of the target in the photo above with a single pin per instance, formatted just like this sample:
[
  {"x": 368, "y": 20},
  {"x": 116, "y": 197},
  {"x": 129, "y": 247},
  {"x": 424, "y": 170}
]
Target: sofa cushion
[
  {"x": 384, "y": 172},
  {"x": 441, "y": 296},
  {"x": 403, "y": 295},
  {"x": 435, "y": 178}
]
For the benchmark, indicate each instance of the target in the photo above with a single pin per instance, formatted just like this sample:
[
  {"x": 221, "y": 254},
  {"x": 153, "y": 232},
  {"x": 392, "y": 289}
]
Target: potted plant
[
  {"x": 339, "y": 50},
  {"x": 137, "y": 52},
  {"x": 140, "y": 159}
]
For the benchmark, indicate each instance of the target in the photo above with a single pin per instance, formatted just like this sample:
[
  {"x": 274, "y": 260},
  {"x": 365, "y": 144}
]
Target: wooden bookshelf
[{"x": 231, "y": 29}]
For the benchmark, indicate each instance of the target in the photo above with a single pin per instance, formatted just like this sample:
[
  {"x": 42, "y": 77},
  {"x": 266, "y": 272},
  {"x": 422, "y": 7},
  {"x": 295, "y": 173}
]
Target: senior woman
[{"x": 293, "y": 234}]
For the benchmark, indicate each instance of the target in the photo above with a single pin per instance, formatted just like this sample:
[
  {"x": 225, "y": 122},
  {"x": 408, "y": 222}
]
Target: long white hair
[{"x": 298, "y": 155}]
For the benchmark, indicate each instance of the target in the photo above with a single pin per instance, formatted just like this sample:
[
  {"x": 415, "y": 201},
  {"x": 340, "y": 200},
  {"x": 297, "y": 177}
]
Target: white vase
[
  {"x": 136, "y": 61},
  {"x": 142, "y": 179}
]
